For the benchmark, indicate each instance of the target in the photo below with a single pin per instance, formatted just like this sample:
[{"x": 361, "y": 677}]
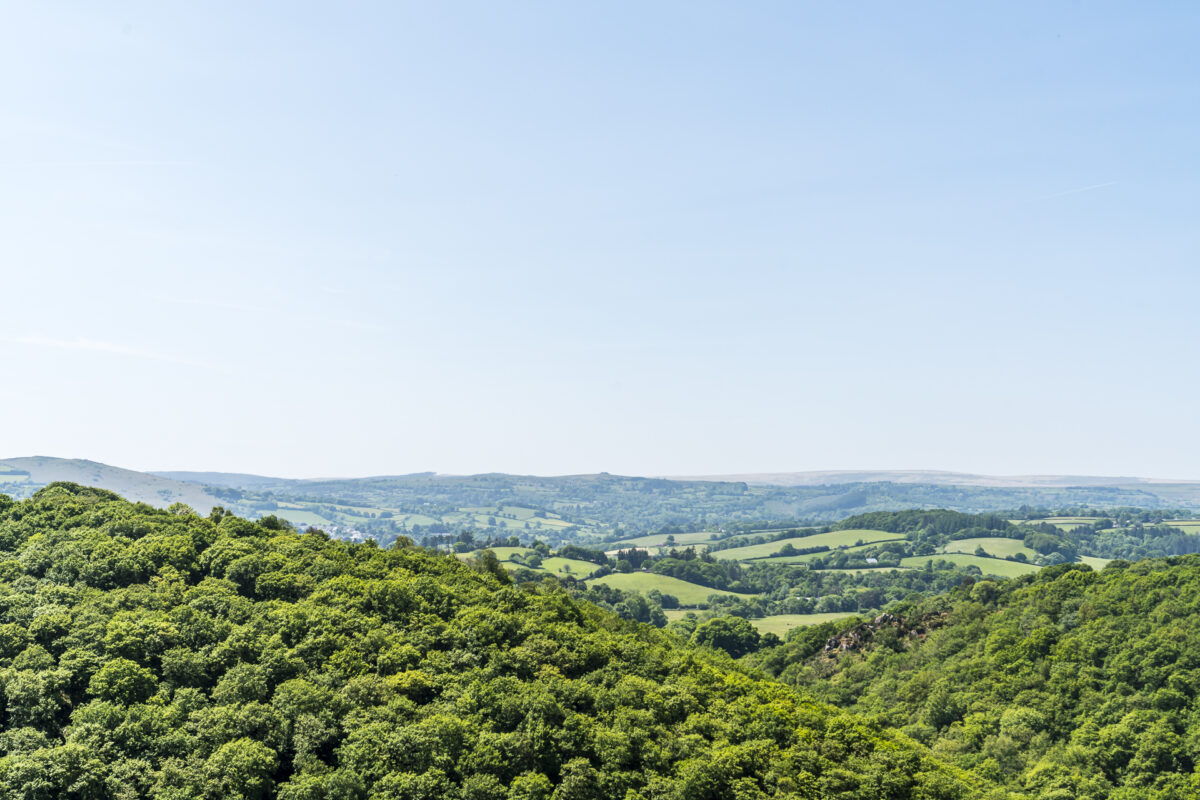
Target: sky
[{"x": 673, "y": 238}]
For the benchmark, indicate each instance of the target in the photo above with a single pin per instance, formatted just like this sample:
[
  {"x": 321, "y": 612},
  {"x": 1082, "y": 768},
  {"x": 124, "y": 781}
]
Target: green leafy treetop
[
  {"x": 1067, "y": 684},
  {"x": 159, "y": 654}
]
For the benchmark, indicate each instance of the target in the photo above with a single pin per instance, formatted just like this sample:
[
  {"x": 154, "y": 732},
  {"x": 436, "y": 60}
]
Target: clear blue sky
[{"x": 656, "y": 238}]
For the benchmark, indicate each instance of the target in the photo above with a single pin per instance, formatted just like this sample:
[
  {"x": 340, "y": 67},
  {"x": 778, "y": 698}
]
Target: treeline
[{"x": 935, "y": 522}]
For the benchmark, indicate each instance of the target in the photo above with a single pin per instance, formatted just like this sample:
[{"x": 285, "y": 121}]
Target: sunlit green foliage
[
  {"x": 159, "y": 654},
  {"x": 1065, "y": 684}
]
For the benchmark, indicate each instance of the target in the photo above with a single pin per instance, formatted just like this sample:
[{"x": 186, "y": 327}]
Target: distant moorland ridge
[
  {"x": 589, "y": 508},
  {"x": 937, "y": 477}
]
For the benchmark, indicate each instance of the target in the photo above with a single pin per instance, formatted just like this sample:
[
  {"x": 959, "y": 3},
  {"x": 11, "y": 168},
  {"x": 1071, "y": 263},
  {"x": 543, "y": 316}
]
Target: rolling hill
[
  {"x": 21, "y": 477},
  {"x": 596, "y": 510},
  {"x": 168, "y": 655}
]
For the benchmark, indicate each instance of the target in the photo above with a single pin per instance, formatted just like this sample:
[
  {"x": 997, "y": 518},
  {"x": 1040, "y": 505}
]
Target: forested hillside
[
  {"x": 1066, "y": 684},
  {"x": 159, "y": 654}
]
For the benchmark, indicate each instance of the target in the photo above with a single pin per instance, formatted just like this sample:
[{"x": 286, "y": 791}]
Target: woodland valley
[{"x": 151, "y": 652}]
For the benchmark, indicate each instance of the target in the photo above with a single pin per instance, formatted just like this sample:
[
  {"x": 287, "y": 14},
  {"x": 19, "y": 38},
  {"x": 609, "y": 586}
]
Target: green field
[
  {"x": 857, "y": 570},
  {"x": 660, "y": 540},
  {"x": 562, "y": 567},
  {"x": 995, "y": 546},
  {"x": 780, "y": 624},
  {"x": 518, "y": 513},
  {"x": 514, "y": 517},
  {"x": 990, "y": 566},
  {"x": 690, "y": 594},
  {"x": 1066, "y": 523},
  {"x": 408, "y": 520},
  {"x": 1094, "y": 562},
  {"x": 505, "y": 553},
  {"x": 551, "y": 523},
  {"x": 807, "y": 557},
  {"x": 511, "y": 518},
  {"x": 572, "y": 567},
  {"x": 833, "y": 539}
]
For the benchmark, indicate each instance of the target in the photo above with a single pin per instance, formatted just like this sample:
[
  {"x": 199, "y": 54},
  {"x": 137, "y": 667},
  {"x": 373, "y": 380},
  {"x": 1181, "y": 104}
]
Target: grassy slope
[
  {"x": 562, "y": 567},
  {"x": 780, "y": 624},
  {"x": 807, "y": 557},
  {"x": 691, "y": 594},
  {"x": 1067, "y": 524},
  {"x": 505, "y": 553},
  {"x": 660, "y": 540},
  {"x": 834, "y": 539},
  {"x": 572, "y": 567},
  {"x": 857, "y": 570},
  {"x": 989, "y": 566},
  {"x": 995, "y": 546}
]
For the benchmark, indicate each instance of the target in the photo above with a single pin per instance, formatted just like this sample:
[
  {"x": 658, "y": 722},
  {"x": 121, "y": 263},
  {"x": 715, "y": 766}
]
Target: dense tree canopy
[
  {"x": 159, "y": 654},
  {"x": 1065, "y": 684}
]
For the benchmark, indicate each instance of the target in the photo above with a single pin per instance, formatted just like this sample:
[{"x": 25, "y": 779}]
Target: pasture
[
  {"x": 691, "y": 594},
  {"x": 506, "y": 553},
  {"x": 1067, "y": 524},
  {"x": 562, "y": 567},
  {"x": 989, "y": 566},
  {"x": 408, "y": 520},
  {"x": 833, "y": 539},
  {"x": 995, "y": 546},
  {"x": 857, "y": 570},
  {"x": 660, "y": 540},
  {"x": 807, "y": 557},
  {"x": 569, "y": 567},
  {"x": 780, "y": 624}
]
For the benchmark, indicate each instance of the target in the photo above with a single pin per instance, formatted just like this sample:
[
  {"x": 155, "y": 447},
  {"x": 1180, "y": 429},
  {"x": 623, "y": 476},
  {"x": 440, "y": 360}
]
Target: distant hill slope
[
  {"x": 571, "y": 508},
  {"x": 21, "y": 477},
  {"x": 229, "y": 480},
  {"x": 936, "y": 478}
]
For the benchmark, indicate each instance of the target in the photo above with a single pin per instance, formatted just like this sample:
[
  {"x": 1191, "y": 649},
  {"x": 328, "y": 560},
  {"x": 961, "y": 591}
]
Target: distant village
[{"x": 342, "y": 532}]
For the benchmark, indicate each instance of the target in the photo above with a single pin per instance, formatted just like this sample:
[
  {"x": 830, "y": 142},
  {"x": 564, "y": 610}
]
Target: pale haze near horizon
[{"x": 677, "y": 238}]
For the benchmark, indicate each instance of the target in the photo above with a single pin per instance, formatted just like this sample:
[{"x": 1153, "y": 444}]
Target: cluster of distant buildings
[{"x": 342, "y": 532}]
